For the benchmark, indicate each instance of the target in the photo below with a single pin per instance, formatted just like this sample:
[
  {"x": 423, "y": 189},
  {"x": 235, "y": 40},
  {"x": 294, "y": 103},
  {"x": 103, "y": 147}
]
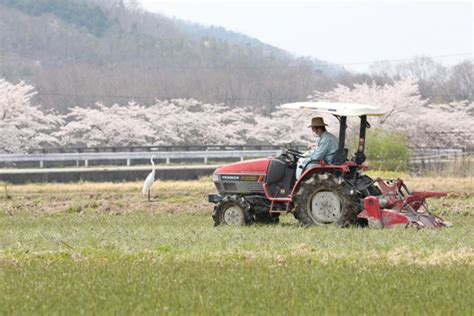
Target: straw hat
[{"x": 317, "y": 122}]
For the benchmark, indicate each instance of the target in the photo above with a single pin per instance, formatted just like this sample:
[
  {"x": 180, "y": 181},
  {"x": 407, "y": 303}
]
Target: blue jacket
[{"x": 325, "y": 150}]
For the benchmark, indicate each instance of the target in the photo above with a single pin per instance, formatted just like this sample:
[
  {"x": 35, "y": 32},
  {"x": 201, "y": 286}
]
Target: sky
[{"x": 352, "y": 34}]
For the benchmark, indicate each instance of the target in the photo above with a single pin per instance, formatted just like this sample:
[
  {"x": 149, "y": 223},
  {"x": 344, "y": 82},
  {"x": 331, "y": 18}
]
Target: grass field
[{"x": 102, "y": 249}]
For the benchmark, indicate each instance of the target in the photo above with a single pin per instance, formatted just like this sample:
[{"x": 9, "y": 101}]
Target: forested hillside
[{"x": 78, "y": 52}]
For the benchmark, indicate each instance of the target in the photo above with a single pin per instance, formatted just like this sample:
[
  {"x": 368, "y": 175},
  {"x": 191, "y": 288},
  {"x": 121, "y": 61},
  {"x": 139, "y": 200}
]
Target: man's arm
[{"x": 320, "y": 152}]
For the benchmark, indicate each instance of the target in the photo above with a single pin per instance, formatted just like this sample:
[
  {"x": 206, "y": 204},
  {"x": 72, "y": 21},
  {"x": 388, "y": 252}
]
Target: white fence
[{"x": 224, "y": 152}]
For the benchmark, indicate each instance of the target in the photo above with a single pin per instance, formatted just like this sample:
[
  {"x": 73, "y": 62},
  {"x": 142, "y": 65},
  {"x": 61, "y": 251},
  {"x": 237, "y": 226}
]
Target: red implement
[{"x": 397, "y": 207}]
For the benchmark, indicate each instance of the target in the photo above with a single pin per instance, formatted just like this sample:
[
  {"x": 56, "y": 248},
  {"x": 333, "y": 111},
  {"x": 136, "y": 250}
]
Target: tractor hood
[
  {"x": 254, "y": 166},
  {"x": 242, "y": 177}
]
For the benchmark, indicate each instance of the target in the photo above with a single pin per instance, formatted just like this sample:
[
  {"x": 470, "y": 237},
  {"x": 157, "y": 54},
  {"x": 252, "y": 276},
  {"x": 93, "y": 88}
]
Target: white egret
[{"x": 149, "y": 180}]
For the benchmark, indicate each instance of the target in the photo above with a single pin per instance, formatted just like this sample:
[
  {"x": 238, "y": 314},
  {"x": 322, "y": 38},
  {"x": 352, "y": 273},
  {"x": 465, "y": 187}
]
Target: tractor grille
[
  {"x": 230, "y": 187},
  {"x": 243, "y": 187}
]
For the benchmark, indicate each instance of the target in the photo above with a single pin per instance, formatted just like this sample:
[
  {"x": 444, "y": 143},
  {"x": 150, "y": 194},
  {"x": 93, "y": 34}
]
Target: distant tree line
[
  {"x": 436, "y": 82},
  {"x": 188, "y": 121}
]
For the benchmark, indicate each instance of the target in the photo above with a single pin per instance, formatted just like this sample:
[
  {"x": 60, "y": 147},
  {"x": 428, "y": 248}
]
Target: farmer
[{"x": 325, "y": 150}]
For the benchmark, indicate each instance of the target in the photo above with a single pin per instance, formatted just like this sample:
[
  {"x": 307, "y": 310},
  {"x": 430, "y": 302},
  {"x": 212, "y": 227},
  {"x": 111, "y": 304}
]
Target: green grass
[
  {"x": 102, "y": 249},
  {"x": 138, "y": 284}
]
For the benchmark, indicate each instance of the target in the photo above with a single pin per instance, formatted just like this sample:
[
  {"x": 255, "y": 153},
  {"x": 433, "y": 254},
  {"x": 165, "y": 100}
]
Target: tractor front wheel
[
  {"x": 325, "y": 199},
  {"x": 232, "y": 211}
]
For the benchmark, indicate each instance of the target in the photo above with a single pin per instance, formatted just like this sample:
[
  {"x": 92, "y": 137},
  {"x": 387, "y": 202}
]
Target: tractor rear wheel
[
  {"x": 232, "y": 211},
  {"x": 325, "y": 199}
]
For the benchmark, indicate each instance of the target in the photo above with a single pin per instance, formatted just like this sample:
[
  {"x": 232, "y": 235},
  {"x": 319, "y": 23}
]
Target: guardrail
[
  {"x": 168, "y": 153},
  {"x": 129, "y": 156}
]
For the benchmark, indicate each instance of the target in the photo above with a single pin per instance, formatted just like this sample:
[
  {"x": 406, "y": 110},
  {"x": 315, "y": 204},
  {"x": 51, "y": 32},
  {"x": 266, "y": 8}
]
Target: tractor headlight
[{"x": 215, "y": 177}]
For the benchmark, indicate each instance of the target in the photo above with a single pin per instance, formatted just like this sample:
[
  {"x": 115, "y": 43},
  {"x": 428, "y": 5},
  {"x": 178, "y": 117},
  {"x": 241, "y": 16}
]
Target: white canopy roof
[{"x": 341, "y": 109}]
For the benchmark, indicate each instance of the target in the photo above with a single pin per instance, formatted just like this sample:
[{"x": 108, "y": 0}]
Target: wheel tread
[{"x": 325, "y": 182}]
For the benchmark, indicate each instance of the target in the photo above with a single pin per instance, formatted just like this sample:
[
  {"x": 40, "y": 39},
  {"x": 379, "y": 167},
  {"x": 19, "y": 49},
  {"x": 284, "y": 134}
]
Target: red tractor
[{"x": 260, "y": 190}]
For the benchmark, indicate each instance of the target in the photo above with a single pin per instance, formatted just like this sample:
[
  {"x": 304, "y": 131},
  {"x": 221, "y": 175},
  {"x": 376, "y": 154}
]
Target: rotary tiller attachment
[{"x": 398, "y": 207}]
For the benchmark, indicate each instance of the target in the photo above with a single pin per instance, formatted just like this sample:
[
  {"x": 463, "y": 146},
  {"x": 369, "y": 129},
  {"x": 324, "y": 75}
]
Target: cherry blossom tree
[
  {"x": 399, "y": 97},
  {"x": 107, "y": 126},
  {"x": 189, "y": 121},
  {"x": 23, "y": 126},
  {"x": 407, "y": 112}
]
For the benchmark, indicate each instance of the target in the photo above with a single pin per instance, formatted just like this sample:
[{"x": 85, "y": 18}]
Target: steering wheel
[
  {"x": 291, "y": 155},
  {"x": 295, "y": 153}
]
